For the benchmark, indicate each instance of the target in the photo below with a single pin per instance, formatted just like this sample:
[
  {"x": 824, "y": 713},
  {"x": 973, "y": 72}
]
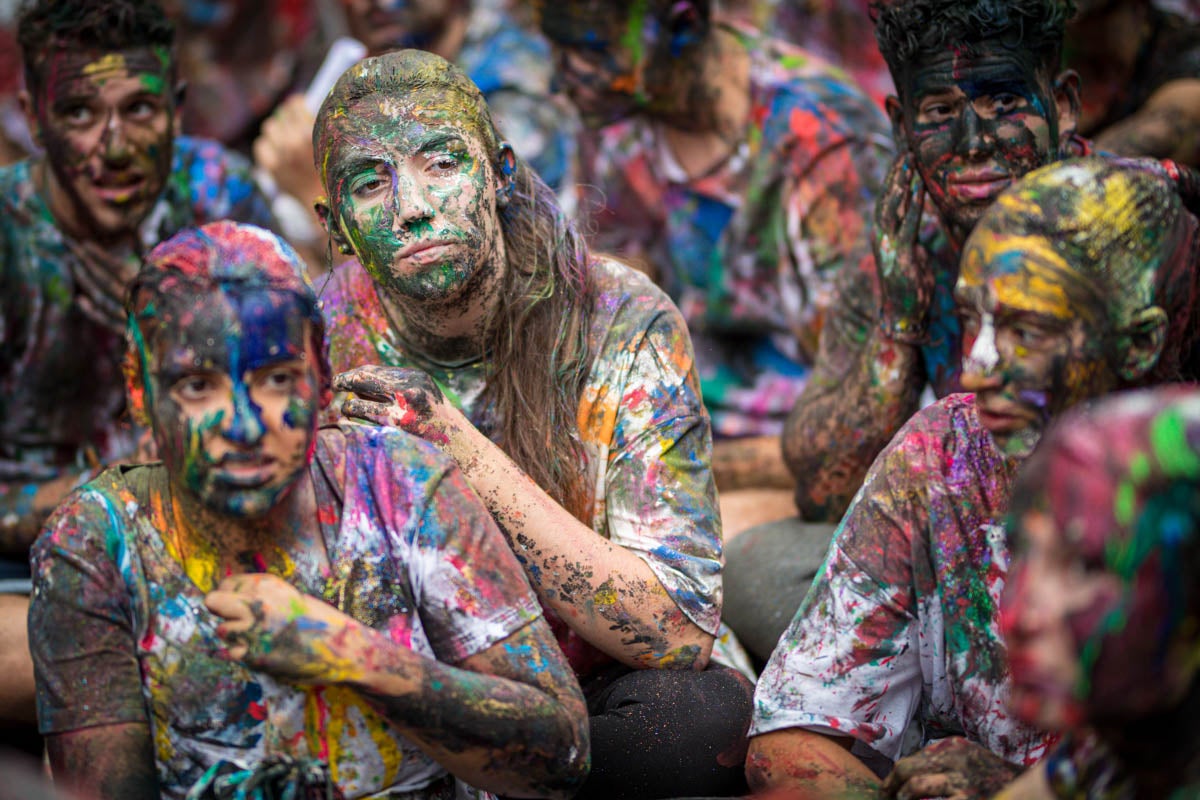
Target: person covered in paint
[
  {"x": 101, "y": 98},
  {"x": 1102, "y": 610},
  {"x": 1078, "y": 280},
  {"x": 271, "y": 592},
  {"x": 980, "y": 102},
  {"x": 562, "y": 383},
  {"x": 509, "y": 63},
  {"x": 741, "y": 171},
  {"x": 1140, "y": 66}
]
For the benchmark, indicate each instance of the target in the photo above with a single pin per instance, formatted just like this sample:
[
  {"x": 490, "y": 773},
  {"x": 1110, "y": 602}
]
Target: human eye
[
  {"x": 77, "y": 114},
  {"x": 367, "y": 184},
  {"x": 936, "y": 109},
  {"x": 142, "y": 109},
  {"x": 1005, "y": 102},
  {"x": 195, "y": 388},
  {"x": 446, "y": 163},
  {"x": 279, "y": 380}
]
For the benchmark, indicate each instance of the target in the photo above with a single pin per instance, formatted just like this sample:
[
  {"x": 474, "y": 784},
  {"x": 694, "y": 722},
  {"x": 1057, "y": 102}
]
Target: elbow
[
  {"x": 568, "y": 766},
  {"x": 690, "y": 652}
]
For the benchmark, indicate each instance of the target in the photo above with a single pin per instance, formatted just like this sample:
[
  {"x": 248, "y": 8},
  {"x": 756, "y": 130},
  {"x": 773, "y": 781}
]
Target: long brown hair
[{"x": 537, "y": 348}]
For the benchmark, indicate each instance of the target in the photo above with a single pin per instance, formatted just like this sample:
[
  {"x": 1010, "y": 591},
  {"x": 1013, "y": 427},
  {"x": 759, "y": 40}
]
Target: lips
[
  {"x": 978, "y": 185},
  {"x": 1000, "y": 419},
  {"x": 245, "y": 471},
  {"x": 423, "y": 251},
  {"x": 118, "y": 188}
]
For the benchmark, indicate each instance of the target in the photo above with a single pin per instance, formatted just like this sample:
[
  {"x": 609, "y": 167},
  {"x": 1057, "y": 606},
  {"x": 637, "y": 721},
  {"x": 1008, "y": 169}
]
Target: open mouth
[
  {"x": 119, "y": 188},
  {"x": 245, "y": 472}
]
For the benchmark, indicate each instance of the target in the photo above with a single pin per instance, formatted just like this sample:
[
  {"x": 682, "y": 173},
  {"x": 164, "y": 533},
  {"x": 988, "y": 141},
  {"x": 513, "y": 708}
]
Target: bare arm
[
  {"x": 107, "y": 762},
  {"x": 1165, "y": 127},
  {"x": 509, "y": 719},
  {"x": 868, "y": 376},
  {"x": 811, "y": 765},
  {"x": 606, "y": 593}
]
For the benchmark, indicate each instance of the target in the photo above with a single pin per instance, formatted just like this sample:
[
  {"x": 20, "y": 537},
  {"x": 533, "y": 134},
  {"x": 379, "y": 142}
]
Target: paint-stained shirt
[
  {"x": 749, "y": 250},
  {"x": 641, "y": 421},
  {"x": 898, "y": 641},
  {"x": 62, "y": 395},
  {"x": 121, "y": 633}
]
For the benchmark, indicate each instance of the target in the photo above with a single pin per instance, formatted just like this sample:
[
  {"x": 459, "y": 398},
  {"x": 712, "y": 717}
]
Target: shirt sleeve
[
  {"x": 471, "y": 591},
  {"x": 659, "y": 491},
  {"x": 81, "y": 630},
  {"x": 850, "y": 662}
]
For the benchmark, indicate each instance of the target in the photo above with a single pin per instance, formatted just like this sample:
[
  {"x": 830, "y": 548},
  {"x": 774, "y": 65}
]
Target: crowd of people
[{"x": 431, "y": 399}]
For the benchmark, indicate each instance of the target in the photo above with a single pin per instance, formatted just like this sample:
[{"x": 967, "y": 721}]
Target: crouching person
[{"x": 273, "y": 601}]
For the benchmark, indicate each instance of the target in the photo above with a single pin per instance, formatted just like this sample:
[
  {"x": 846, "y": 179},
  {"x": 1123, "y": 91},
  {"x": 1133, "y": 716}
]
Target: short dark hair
[
  {"x": 557, "y": 18},
  {"x": 46, "y": 25},
  {"x": 905, "y": 29}
]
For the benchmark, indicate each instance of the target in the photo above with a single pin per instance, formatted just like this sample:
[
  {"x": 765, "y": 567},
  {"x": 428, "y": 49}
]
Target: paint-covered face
[
  {"x": 1085, "y": 615},
  {"x": 106, "y": 122},
  {"x": 384, "y": 25},
  {"x": 601, "y": 58},
  {"x": 415, "y": 193},
  {"x": 975, "y": 123},
  {"x": 232, "y": 389},
  {"x": 1036, "y": 336}
]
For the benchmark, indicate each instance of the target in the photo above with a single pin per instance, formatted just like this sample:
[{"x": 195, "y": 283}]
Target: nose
[
  {"x": 980, "y": 367},
  {"x": 411, "y": 201},
  {"x": 245, "y": 426},
  {"x": 1019, "y": 615},
  {"x": 114, "y": 144},
  {"x": 973, "y": 140}
]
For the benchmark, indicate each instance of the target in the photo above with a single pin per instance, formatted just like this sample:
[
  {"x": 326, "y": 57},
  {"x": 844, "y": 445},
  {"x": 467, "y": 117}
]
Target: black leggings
[{"x": 667, "y": 733}]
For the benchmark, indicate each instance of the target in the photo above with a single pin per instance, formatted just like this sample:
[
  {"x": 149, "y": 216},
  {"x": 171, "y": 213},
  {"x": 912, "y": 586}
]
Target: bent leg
[
  {"x": 768, "y": 570},
  {"x": 668, "y": 733}
]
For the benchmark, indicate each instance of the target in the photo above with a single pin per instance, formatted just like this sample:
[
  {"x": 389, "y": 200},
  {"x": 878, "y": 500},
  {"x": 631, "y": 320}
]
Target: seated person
[
  {"x": 510, "y": 64},
  {"x": 273, "y": 593},
  {"x": 1101, "y": 612},
  {"x": 1079, "y": 280},
  {"x": 102, "y": 98},
  {"x": 891, "y": 329},
  {"x": 563, "y": 385},
  {"x": 741, "y": 170},
  {"x": 962, "y": 137},
  {"x": 1140, "y": 65}
]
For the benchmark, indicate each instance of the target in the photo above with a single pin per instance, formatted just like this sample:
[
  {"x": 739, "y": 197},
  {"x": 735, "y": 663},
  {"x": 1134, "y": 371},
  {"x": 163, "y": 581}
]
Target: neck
[
  {"x": 1159, "y": 752},
  {"x": 451, "y": 331},
  {"x": 213, "y": 545},
  {"x": 711, "y": 123}
]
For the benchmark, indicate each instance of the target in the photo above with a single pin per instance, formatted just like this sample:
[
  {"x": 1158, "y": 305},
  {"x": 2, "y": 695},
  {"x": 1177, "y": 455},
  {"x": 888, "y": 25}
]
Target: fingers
[
  {"x": 396, "y": 415},
  {"x": 924, "y": 786}
]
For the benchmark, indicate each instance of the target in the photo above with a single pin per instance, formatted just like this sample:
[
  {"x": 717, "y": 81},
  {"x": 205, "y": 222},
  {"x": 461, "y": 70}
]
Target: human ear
[
  {"x": 1067, "y": 104},
  {"x": 506, "y": 174},
  {"x": 135, "y": 382},
  {"x": 28, "y": 109},
  {"x": 1144, "y": 337},
  {"x": 321, "y": 206},
  {"x": 895, "y": 112}
]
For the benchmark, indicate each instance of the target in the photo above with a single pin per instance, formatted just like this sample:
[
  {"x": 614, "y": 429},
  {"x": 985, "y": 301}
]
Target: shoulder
[
  {"x": 626, "y": 300},
  {"x": 943, "y": 444},
  {"x": 95, "y": 520},
  {"x": 392, "y": 460}
]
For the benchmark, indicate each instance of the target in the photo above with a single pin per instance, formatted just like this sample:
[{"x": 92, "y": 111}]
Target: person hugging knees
[
  {"x": 1102, "y": 612},
  {"x": 563, "y": 384},
  {"x": 1079, "y": 280},
  {"x": 280, "y": 604}
]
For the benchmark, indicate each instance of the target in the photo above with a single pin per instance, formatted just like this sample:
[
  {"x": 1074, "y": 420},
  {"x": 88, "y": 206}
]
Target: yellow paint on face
[
  {"x": 109, "y": 62},
  {"x": 1022, "y": 273}
]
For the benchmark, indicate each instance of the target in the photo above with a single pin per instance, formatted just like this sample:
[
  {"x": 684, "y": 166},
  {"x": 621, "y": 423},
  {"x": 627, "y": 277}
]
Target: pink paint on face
[
  {"x": 106, "y": 121},
  {"x": 975, "y": 124}
]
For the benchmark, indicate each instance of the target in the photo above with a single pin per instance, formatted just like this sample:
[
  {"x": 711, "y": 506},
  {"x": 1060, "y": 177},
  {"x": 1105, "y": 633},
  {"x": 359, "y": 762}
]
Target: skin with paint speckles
[
  {"x": 106, "y": 120},
  {"x": 268, "y": 620},
  {"x": 1099, "y": 614}
]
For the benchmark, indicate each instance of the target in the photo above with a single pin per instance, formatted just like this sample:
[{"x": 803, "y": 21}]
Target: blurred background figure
[
  {"x": 1102, "y": 614},
  {"x": 1139, "y": 68}
]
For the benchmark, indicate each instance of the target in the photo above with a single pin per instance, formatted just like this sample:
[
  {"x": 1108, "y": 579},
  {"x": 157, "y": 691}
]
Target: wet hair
[
  {"x": 908, "y": 29},
  {"x": 44, "y": 26},
  {"x": 1128, "y": 467},
  {"x": 227, "y": 257},
  {"x": 1122, "y": 227},
  {"x": 537, "y": 340}
]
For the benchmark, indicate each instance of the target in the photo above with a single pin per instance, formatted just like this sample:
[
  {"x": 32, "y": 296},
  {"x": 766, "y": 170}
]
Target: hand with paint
[
  {"x": 905, "y": 281},
  {"x": 402, "y": 398},
  {"x": 271, "y": 626},
  {"x": 101, "y": 277},
  {"x": 953, "y": 768}
]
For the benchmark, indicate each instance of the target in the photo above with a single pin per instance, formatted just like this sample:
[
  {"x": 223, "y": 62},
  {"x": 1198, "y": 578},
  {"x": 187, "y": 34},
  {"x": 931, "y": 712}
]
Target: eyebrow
[{"x": 438, "y": 141}]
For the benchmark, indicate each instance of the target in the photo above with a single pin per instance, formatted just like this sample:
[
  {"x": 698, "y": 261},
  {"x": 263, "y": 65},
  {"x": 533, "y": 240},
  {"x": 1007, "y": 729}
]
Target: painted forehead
[
  {"x": 151, "y": 64},
  {"x": 977, "y": 69},
  {"x": 1023, "y": 272}
]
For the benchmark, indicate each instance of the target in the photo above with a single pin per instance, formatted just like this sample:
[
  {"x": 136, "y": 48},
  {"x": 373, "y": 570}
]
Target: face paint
[
  {"x": 106, "y": 121},
  {"x": 1035, "y": 333},
  {"x": 414, "y": 191},
  {"x": 384, "y": 25},
  {"x": 601, "y": 57},
  {"x": 976, "y": 123},
  {"x": 233, "y": 394}
]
